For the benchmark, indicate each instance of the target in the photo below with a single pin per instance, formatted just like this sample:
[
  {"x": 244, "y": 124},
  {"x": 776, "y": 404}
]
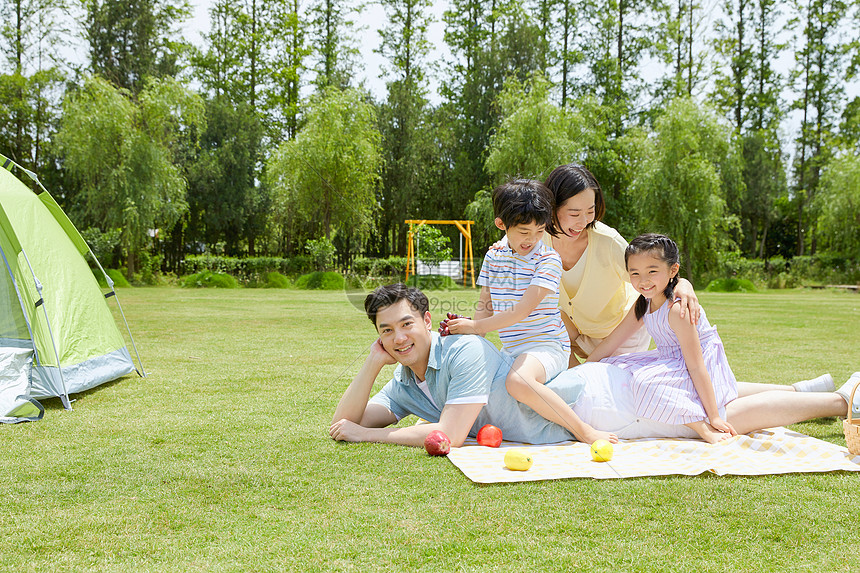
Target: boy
[{"x": 519, "y": 298}]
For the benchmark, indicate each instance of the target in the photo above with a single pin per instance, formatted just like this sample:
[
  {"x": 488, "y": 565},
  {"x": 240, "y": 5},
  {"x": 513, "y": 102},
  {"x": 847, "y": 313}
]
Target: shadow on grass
[{"x": 53, "y": 404}]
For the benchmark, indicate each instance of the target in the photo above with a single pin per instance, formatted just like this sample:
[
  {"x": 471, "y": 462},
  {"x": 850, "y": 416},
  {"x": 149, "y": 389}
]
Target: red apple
[
  {"x": 490, "y": 436},
  {"x": 437, "y": 443}
]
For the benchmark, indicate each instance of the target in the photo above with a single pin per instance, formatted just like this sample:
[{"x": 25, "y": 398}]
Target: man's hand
[
  {"x": 346, "y": 431},
  {"x": 379, "y": 355}
]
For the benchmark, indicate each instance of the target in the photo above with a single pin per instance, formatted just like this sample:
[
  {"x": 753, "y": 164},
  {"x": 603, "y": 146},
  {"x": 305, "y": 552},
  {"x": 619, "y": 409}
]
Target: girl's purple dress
[{"x": 662, "y": 387}]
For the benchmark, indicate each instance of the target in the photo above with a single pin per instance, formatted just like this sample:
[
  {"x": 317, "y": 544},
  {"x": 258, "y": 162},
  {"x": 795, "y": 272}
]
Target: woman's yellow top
[{"x": 605, "y": 295}]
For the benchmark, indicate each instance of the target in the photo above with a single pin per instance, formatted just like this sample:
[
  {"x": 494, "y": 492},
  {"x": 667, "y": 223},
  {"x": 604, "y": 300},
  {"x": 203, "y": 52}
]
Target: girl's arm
[
  {"x": 689, "y": 303},
  {"x": 691, "y": 349},
  {"x": 531, "y": 298},
  {"x": 625, "y": 329}
]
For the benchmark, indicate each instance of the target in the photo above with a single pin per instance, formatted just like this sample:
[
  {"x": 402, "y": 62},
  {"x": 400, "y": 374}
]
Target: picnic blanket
[{"x": 770, "y": 451}]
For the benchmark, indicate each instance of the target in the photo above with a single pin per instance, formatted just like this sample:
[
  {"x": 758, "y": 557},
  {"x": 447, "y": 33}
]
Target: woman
[{"x": 595, "y": 292}]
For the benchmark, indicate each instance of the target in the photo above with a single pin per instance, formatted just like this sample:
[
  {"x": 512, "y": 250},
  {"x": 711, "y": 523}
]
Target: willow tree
[
  {"x": 324, "y": 179},
  {"x": 122, "y": 153},
  {"x": 679, "y": 182}
]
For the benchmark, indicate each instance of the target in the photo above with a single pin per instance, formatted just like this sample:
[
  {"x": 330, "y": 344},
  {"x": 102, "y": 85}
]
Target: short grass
[{"x": 220, "y": 460}]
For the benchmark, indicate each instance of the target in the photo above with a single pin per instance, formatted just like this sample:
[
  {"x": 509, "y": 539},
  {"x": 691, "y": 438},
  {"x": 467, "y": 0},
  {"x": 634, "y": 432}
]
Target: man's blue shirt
[{"x": 467, "y": 369}]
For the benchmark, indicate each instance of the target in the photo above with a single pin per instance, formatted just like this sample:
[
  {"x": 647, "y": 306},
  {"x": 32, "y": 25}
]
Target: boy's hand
[
  {"x": 443, "y": 325},
  {"x": 462, "y": 326}
]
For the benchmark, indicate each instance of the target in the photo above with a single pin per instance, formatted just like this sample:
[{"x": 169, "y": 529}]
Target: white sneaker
[
  {"x": 823, "y": 383},
  {"x": 846, "y": 389}
]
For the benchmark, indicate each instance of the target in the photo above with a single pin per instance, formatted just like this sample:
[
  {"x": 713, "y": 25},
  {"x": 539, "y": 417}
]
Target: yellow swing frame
[{"x": 465, "y": 228}]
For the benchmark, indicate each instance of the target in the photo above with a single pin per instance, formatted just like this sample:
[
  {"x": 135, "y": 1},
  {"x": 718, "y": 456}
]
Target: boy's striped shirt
[{"x": 508, "y": 275}]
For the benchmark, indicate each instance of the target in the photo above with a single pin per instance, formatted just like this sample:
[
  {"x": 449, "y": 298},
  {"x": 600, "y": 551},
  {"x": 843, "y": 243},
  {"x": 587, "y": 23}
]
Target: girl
[{"x": 687, "y": 379}]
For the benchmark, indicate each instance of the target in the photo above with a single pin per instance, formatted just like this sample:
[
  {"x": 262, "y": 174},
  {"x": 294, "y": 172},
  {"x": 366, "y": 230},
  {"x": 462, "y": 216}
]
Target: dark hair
[
  {"x": 521, "y": 202},
  {"x": 387, "y": 295},
  {"x": 668, "y": 253},
  {"x": 569, "y": 180}
]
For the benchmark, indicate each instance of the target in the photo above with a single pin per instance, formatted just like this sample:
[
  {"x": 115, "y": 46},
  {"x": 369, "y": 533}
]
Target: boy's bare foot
[
  {"x": 708, "y": 433},
  {"x": 593, "y": 435}
]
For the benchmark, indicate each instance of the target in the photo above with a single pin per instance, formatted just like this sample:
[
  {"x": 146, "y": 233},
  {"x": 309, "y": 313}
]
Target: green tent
[{"x": 57, "y": 333}]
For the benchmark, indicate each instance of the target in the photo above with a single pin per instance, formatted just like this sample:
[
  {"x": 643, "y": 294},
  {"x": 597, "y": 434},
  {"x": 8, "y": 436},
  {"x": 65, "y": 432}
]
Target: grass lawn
[{"x": 220, "y": 460}]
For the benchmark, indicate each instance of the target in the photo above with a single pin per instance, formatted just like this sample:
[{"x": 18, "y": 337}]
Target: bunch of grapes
[{"x": 443, "y": 325}]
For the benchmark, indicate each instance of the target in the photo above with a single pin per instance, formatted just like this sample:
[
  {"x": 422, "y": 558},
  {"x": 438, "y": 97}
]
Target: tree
[
  {"x": 491, "y": 40},
  {"x": 288, "y": 47},
  {"x": 678, "y": 185},
  {"x": 621, "y": 34},
  {"x": 30, "y": 93},
  {"x": 839, "y": 204},
  {"x": 763, "y": 181},
  {"x": 849, "y": 128},
  {"x": 221, "y": 182},
  {"x": 404, "y": 120},
  {"x": 329, "y": 172},
  {"x": 570, "y": 53},
  {"x": 218, "y": 68},
  {"x": 748, "y": 94},
  {"x": 122, "y": 151},
  {"x": 678, "y": 50},
  {"x": 534, "y": 135},
  {"x": 819, "y": 81},
  {"x": 132, "y": 40},
  {"x": 331, "y": 34}
]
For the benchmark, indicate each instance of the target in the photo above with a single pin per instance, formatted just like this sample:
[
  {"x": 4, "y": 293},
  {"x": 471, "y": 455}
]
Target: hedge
[{"x": 249, "y": 270}]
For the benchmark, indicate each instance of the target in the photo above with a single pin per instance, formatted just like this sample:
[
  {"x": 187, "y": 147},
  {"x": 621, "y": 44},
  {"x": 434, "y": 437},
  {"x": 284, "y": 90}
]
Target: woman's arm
[
  {"x": 691, "y": 349},
  {"x": 689, "y": 303},
  {"x": 625, "y": 329}
]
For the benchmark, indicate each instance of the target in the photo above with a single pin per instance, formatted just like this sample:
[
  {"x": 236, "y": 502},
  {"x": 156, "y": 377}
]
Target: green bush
[
  {"x": 320, "y": 280},
  {"x": 209, "y": 279},
  {"x": 276, "y": 280},
  {"x": 149, "y": 267},
  {"x": 731, "y": 285},
  {"x": 118, "y": 278},
  {"x": 433, "y": 282},
  {"x": 250, "y": 270},
  {"x": 321, "y": 252},
  {"x": 779, "y": 272}
]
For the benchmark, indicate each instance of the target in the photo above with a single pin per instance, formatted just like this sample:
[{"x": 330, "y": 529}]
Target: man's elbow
[{"x": 457, "y": 438}]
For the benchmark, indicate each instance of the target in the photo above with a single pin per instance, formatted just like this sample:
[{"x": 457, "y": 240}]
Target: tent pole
[
  {"x": 141, "y": 372},
  {"x": 41, "y": 302}
]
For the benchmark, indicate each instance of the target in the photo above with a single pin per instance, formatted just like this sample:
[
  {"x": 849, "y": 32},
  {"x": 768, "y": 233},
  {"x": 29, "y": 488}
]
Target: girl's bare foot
[{"x": 708, "y": 433}]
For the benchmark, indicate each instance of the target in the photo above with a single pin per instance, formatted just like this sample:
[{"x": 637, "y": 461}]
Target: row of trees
[{"x": 261, "y": 139}]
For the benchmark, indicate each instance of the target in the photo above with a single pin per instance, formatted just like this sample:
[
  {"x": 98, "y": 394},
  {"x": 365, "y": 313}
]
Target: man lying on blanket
[{"x": 457, "y": 383}]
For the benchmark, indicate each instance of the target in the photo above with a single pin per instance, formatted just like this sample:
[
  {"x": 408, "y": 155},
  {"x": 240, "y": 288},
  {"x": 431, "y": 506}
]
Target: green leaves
[
  {"x": 329, "y": 172},
  {"x": 534, "y": 135},
  {"x": 120, "y": 151},
  {"x": 839, "y": 205},
  {"x": 679, "y": 189}
]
